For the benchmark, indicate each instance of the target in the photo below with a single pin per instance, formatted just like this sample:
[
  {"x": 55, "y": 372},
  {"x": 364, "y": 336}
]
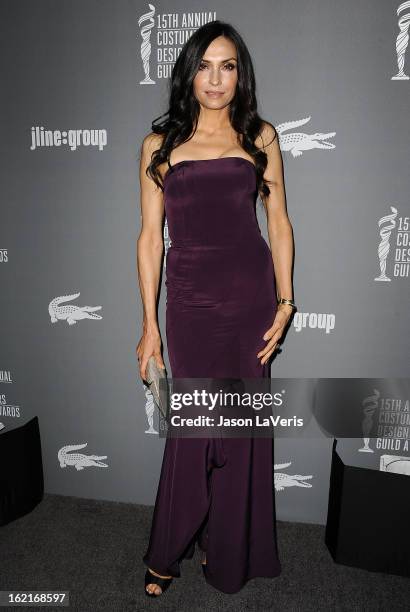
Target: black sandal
[{"x": 161, "y": 582}]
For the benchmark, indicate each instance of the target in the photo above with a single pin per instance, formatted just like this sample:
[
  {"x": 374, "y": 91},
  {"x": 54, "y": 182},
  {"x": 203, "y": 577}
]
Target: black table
[
  {"x": 21, "y": 471},
  {"x": 368, "y": 521}
]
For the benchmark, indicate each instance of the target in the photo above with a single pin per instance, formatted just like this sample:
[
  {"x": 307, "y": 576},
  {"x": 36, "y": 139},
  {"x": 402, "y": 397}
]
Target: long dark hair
[{"x": 184, "y": 108}]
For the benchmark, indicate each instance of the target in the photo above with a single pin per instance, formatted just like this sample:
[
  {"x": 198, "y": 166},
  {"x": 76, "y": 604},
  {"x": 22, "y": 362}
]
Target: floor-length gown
[{"x": 221, "y": 299}]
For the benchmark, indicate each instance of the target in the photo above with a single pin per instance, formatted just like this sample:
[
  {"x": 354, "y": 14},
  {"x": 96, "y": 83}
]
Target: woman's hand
[
  {"x": 274, "y": 333},
  {"x": 150, "y": 344}
]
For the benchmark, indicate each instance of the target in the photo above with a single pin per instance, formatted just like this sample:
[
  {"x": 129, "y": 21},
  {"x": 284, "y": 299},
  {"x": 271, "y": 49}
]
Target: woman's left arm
[{"x": 280, "y": 238}]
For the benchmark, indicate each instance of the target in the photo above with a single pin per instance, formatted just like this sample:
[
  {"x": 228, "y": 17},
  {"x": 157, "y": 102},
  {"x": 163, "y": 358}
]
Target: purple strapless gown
[{"x": 221, "y": 299}]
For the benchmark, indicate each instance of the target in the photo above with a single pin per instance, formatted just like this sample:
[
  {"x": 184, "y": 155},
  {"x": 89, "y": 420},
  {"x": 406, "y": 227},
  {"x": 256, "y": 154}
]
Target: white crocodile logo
[
  {"x": 70, "y": 313},
  {"x": 78, "y": 460},
  {"x": 298, "y": 142},
  {"x": 286, "y": 480}
]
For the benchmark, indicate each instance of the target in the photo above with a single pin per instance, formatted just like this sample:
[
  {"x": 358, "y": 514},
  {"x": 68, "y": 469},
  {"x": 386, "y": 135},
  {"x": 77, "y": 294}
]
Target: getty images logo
[{"x": 74, "y": 139}]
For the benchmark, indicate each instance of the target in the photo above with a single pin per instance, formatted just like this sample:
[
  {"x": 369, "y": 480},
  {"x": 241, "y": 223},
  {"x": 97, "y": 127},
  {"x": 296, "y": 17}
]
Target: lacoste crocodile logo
[
  {"x": 298, "y": 142},
  {"x": 78, "y": 460},
  {"x": 71, "y": 313},
  {"x": 286, "y": 480}
]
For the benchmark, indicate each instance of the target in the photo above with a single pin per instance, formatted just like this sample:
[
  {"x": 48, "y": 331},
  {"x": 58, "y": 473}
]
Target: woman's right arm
[{"x": 150, "y": 246}]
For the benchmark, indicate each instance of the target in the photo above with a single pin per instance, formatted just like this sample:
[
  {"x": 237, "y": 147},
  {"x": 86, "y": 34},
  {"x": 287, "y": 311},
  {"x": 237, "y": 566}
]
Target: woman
[{"x": 225, "y": 310}]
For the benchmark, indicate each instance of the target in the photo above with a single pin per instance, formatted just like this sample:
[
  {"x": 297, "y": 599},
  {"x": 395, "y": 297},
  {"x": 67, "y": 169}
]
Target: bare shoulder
[
  {"x": 151, "y": 142},
  {"x": 267, "y": 137},
  {"x": 268, "y": 142}
]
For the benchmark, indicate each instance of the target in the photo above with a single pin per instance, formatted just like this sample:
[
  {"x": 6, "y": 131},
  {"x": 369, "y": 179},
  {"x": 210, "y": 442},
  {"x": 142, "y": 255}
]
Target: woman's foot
[{"x": 154, "y": 588}]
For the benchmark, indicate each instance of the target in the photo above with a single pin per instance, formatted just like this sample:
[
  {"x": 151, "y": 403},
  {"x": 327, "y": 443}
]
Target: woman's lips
[{"x": 214, "y": 94}]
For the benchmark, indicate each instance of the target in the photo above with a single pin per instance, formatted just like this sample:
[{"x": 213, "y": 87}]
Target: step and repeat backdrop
[{"x": 82, "y": 82}]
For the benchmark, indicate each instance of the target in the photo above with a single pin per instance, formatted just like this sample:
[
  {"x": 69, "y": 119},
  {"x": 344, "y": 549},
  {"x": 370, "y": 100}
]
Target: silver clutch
[{"x": 158, "y": 384}]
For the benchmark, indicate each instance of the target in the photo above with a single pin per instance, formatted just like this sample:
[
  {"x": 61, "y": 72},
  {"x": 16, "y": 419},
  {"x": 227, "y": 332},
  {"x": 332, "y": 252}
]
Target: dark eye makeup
[{"x": 229, "y": 65}]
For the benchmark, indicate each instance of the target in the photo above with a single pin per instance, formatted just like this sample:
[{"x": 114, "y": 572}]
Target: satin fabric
[{"x": 221, "y": 299}]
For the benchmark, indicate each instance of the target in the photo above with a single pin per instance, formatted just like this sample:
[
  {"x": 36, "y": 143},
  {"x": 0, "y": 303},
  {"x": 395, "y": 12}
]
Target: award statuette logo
[
  {"x": 389, "y": 223},
  {"x": 146, "y": 44},
  {"x": 402, "y": 41},
  {"x": 370, "y": 404}
]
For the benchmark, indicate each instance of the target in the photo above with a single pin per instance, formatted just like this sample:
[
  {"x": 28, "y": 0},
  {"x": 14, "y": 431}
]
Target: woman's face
[{"x": 215, "y": 82}]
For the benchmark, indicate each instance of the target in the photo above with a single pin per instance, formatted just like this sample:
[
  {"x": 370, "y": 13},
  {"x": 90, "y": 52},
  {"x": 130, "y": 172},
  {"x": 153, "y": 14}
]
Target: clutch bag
[{"x": 158, "y": 385}]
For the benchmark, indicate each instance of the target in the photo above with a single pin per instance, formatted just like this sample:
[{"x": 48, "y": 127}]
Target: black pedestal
[
  {"x": 368, "y": 522},
  {"x": 21, "y": 471}
]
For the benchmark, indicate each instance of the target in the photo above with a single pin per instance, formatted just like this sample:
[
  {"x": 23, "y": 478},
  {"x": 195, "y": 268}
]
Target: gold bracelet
[{"x": 289, "y": 302}]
